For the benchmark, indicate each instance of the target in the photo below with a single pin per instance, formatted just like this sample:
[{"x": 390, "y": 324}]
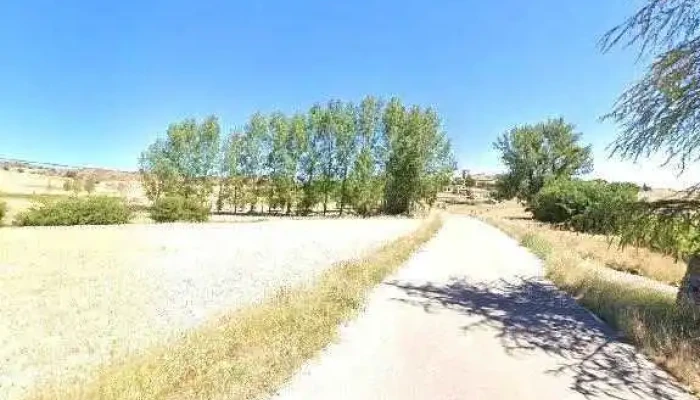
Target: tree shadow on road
[{"x": 531, "y": 315}]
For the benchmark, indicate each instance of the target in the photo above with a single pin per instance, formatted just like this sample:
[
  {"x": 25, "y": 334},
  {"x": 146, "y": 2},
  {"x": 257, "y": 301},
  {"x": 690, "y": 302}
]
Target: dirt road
[{"x": 470, "y": 317}]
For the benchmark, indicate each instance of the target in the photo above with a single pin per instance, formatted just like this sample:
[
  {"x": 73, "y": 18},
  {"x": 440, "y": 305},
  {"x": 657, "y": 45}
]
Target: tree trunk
[
  {"x": 689, "y": 292},
  {"x": 342, "y": 191},
  {"x": 235, "y": 200},
  {"x": 220, "y": 199},
  {"x": 325, "y": 196},
  {"x": 342, "y": 198}
]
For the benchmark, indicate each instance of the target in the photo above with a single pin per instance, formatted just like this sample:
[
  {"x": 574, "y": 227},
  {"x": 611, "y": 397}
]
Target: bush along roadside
[
  {"x": 178, "y": 208},
  {"x": 91, "y": 210},
  {"x": 647, "y": 317},
  {"x": 613, "y": 209},
  {"x": 584, "y": 206},
  {"x": 250, "y": 353}
]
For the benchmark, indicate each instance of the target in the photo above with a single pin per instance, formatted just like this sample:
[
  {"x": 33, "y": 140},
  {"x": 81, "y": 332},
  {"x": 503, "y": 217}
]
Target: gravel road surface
[
  {"x": 471, "y": 317},
  {"x": 72, "y": 298}
]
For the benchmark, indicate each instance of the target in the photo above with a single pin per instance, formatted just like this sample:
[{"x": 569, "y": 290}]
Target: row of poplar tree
[{"x": 370, "y": 157}]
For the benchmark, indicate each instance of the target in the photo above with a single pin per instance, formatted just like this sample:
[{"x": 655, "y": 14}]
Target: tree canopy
[
  {"x": 661, "y": 112},
  {"x": 183, "y": 161},
  {"x": 368, "y": 157},
  {"x": 537, "y": 153}
]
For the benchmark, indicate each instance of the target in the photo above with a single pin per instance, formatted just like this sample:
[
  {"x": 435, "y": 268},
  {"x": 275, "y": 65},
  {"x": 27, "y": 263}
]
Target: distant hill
[{"x": 63, "y": 170}]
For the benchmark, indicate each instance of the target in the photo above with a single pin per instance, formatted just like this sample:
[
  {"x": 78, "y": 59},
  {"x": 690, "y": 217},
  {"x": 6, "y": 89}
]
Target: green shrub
[
  {"x": 3, "y": 210},
  {"x": 586, "y": 206},
  {"x": 469, "y": 181},
  {"x": 666, "y": 232},
  {"x": 97, "y": 210},
  {"x": 178, "y": 208},
  {"x": 77, "y": 185},
  {"x": 90, "y": 184}
]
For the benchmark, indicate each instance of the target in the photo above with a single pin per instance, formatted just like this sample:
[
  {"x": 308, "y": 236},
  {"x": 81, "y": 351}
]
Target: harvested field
[{"x": 74, "y": 298}]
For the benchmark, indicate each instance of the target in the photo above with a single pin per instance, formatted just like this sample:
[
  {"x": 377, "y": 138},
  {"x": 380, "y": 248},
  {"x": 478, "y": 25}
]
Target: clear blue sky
[{"x": 82, "y": 82}]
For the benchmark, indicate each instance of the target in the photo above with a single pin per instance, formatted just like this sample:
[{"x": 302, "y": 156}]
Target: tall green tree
[
  {"x": 310, "y": 160},
  {"x": 280, "y": 162},
  {"x": 410, "y": 161},
  {"x": 366, "y": 185},
  {"x": 346, "y": 145},
  {"x": 184, "y": 162},
  {"x": 159, "y": 175},
  {"x": 325, "y": 142},
  {"x": 231, "y": 180},
  {"x": 253, "y": 155},
  {"x": 660, "y": 115},
  {"x": 437, "y": 159},
  {"x": 536, "y": 153},
  {"x": 297, "y": 147},
  {"x": 420, "y": 161},
  {"x": 396, "y": 198}
]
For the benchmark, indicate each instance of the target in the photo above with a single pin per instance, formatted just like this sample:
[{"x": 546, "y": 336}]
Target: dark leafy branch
[
  {"x": 660, "y": 114},
  {"x": 659, "y": 24}
]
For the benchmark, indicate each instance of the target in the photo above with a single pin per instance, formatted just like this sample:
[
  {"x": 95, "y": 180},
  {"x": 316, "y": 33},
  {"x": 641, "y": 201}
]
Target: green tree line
[{"x": 369, "y": 157}]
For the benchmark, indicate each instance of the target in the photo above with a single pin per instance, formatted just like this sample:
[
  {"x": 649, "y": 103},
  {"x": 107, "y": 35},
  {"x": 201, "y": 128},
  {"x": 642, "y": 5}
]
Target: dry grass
[
  {"x": 21, "y": 189},
  {"x": 31, "y": 182},
  {"x": 14, "y": 206},
  {"x": 74, "y": 298},
  {"x": 649, "y": 318},
  {"x": 633, "y": 260},
  {"x": 254, "y": 350},
  {"x": 644, "y": 311}
]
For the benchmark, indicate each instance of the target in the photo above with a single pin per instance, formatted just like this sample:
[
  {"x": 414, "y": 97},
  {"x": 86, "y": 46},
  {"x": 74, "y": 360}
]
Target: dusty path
[{"x": 470, "y": 317}]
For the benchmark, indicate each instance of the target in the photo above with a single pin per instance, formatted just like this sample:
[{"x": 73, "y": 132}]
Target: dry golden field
[
  {"x": 76, "y": 298},
  {"x": 21, "y": 187}
]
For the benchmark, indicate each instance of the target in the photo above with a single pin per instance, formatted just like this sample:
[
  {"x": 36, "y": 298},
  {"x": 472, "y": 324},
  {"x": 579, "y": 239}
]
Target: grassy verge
[
  {"x": 253, "y": 351},
  {"x": 645, "y": 315}
]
